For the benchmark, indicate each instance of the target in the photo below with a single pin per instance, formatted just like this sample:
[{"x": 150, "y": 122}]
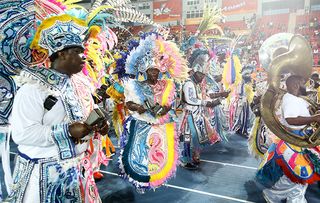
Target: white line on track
[
  {"x": 227, "y": 164},
  {"x": 192, "y": 190}
]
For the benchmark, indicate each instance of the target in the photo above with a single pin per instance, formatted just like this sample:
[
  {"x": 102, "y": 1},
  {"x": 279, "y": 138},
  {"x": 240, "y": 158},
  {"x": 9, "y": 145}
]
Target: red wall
[{"x": 174, "y": 5}]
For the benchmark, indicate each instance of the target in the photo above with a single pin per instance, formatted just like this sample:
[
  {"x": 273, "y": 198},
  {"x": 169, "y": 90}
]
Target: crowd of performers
[{"x": 72, "y": 88}]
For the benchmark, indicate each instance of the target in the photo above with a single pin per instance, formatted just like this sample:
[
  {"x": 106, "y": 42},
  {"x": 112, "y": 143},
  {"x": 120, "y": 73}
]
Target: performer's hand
[
  {"x": 165, "y": 110},
  {"x": 79, "y": 130},
  {"x": 214, "y": 103},
  {"x": 135, "y": 107},
  {"x": 225, "y": 94},
  {"x": 103, "y": 130},
  {"x": 214, "y": 95},
  {"x": 141, "y": 109}
]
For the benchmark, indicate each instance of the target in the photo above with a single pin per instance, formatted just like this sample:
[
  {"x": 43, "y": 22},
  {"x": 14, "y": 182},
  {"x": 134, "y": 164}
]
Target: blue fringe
[
  {"x": 314, "y": 160},
  {"x": 269, "y": 174}
]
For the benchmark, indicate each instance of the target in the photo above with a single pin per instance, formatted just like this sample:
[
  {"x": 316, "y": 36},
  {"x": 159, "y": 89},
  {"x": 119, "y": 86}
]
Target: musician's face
[{"x": 302, "y": 87}]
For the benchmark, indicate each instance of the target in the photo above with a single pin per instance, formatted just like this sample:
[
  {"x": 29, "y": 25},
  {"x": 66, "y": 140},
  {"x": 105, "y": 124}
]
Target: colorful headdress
[
  {"x": 120, "y": 64},
  {"x": 155, "y": 52},
  {"x": 59, "y": 32},
  {"x": 192, "y": 59}
]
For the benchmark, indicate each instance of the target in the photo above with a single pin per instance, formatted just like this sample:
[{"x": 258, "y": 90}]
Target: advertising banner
[
  {"x": 167, "y": 10},
  {"x": 231, "y": 7}
]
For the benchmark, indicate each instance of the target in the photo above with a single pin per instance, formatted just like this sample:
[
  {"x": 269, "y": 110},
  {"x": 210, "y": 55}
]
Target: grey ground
[{"x": 215, "y": 181}]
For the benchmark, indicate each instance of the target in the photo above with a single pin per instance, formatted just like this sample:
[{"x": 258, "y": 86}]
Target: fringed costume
[
  {"x": 243, "y": 114},
  {"x": 291, "y": 168},
  {"x": 149, "y": 143},
  {"x": 260, "y": 137},
  {"x": 195, "y": 128},
  {"x": 218, "y": 116}
]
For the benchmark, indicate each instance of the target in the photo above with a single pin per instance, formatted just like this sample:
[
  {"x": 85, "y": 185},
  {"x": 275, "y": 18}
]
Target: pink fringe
[{"x": 172, "y": 172}]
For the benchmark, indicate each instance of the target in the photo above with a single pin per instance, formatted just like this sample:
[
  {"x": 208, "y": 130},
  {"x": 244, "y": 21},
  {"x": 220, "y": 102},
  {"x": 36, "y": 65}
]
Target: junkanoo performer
[
  {"x": 260, "y": 137},
  {"x": 149, "y": 143},
  {"x": 215, "y": 90},
  {"x": 47, "y": 121},
  {"x": 244, "y": 116},
  {"x": 195, "y": 127},
  {"x": 291, "y": 167}
]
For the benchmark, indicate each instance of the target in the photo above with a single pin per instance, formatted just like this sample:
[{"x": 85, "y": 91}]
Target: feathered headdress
[
  {"x": 211, "y": 18},
  {"x": 192, "y": 59},
  {"x": 154, "y": 51}
]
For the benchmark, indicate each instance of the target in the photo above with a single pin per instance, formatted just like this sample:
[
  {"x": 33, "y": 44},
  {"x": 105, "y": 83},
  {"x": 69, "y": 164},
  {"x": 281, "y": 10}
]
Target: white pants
[
  {"x": 285, "y": 189},
  {"x": 32, "y": 193}
]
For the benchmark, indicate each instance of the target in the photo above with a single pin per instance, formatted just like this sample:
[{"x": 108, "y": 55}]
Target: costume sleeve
[
  {"x": 190, "y": 94},
  {"x": 26, "y": 120},
  {"x": 27, "y": 123},
  {"x": 132, "y": 92}
]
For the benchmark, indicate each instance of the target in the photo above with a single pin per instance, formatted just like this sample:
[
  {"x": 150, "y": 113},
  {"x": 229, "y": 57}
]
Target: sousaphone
[{"x": 295, "y": 59}]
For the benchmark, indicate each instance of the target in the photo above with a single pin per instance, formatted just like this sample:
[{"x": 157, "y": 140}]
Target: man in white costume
[
  {"x": 195, "y": 128},
  {"x": 47, "y": 119}
]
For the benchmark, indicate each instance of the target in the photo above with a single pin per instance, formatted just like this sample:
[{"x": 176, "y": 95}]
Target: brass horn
[{"x": 297, "y": 60}]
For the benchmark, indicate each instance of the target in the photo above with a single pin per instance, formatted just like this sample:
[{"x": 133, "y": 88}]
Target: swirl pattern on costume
[
  {"x": 7, "y": 90},
  {"x": 14, "y": 52}
]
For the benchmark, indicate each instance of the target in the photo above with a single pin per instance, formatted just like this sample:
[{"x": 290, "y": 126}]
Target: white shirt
[
  {"x": 293, "y": 107},
  {"x": 31, "y": 123}
]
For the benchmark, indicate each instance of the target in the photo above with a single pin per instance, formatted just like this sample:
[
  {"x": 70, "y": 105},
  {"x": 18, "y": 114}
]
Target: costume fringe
[
  {"x": 108, "y": 145},
  {"x": 231, "y": 76},
  {"x": 314, "y": 159},
  {"x": 269, "y": 174},
  {"x": 252, "y": 141},
  {"x": 169, "y": 169},
  {"x": 248, "y": 89},
  {"x": 125, "y": 156}
]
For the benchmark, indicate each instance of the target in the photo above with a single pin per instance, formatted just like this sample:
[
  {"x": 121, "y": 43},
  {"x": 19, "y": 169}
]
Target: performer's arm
[
  {"x": 135, "y": 107},
  {"x": 190, "y": 95},
  {"x": 290, "y": 111},
  {"x": 300, "y": 120},
  {"x": 27, "y": 116},
  {"x": 219, "y": 94},
  {"x": 27, "y": 121}
]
